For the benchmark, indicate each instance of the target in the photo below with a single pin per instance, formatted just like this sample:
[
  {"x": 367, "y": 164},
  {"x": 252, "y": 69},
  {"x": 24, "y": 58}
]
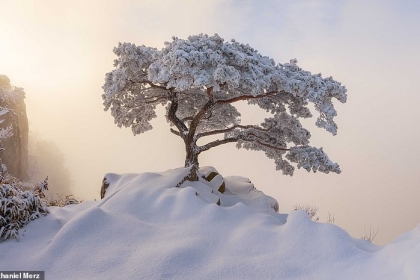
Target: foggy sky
[{"x": 59, "y": 52}]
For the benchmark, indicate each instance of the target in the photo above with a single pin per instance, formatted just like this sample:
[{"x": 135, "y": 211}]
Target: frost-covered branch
[
  {"x": 220, "y": 131},
  {"x": 155, "y": 100},
  {"x": 216, "y": 143},
  {"x": 311, "y": 158},
  {"x": 129, "y": 94},
  {"x": 187, "y": 119},
  {"x": 152, "y": 85},
  {"x": 173, "y": 108},
  {"x": 197, "y": 118},
  {"x": 270, "y": 146},
  {"x": 246, "y": 97}
]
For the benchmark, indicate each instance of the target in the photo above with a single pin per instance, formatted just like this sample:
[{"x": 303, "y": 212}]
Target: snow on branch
[
  {"x": 18, "y": 207},
  {"x": 312, "y": 158}
]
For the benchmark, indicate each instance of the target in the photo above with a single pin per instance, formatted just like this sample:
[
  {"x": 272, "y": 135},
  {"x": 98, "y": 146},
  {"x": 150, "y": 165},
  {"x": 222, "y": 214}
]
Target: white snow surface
[{"x": 145, "y": 228}]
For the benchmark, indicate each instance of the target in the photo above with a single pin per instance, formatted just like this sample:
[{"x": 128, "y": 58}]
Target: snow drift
[{"x": 146, "y": 228}]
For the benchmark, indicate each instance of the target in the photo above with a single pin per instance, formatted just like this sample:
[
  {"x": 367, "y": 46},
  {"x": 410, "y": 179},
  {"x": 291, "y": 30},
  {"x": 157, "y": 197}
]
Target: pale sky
[{"x": 59, "y": 52}]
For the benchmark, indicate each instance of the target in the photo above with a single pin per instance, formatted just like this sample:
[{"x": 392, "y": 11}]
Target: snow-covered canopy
[{"x": 200, "y": 79}]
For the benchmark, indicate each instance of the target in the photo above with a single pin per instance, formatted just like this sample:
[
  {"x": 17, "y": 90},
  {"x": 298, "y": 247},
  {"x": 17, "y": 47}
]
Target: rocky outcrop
[
  {"x": 104, "y": 186},
  {"x": 13, "y": 115}
]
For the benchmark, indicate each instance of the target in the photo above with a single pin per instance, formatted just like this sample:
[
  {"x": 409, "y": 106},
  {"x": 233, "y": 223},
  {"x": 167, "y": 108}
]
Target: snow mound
[{"x": 146, "y": 228}]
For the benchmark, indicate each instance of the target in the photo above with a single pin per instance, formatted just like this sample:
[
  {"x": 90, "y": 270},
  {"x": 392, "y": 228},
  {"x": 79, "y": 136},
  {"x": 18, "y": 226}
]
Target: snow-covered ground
[{"x": 146, "y": 228}]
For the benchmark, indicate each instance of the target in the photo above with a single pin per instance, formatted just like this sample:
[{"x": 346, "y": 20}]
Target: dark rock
[
  {"x": 15, "y": 153},
  {"x": 222, "y": 188},
  {"x": 211, "y": 176},
  {"x": 104, "y": 186}
]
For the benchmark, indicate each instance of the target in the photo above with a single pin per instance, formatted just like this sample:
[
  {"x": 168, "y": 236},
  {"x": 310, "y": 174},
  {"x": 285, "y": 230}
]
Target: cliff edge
[{"x": 14, "y": 129}]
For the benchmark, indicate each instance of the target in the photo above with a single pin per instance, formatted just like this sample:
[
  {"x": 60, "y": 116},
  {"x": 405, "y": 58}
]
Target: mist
[
  {"x": 59, "y": 53},
  {"x": 47, "y": 160}
]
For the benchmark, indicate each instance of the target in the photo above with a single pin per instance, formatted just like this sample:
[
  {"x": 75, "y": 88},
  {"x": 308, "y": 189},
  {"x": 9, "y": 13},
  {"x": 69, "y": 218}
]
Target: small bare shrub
[
  {"x": 309, "y": 209},
  {"x": 330, "y": 218},
  {"x": 371, "y": 235},
  {"x": 61, "y": 201}
]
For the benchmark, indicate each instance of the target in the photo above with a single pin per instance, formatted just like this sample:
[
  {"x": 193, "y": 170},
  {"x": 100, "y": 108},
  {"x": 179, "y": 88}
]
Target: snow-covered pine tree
[{"x": 200, "y": 80}]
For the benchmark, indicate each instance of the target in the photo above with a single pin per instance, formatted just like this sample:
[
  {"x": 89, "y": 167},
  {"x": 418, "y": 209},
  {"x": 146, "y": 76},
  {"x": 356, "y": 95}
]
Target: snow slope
[{"x": 145, "y": 228}]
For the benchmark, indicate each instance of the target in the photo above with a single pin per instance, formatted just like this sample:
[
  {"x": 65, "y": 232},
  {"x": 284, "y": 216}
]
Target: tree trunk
[{"x": 191, "y": 160}]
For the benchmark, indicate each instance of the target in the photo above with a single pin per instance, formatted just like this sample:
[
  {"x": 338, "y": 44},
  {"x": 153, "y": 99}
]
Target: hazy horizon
[{"x": 59, "y": 53}]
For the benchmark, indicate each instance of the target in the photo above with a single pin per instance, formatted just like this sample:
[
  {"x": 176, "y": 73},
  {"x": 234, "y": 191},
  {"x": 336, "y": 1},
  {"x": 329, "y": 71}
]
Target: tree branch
[
  {"x": 157, "y": 99},
  {"x": 182, "y": 128},
  {"x": 246, "y": 97},
  {"x": 209, "y": 116},
  {"x": 175, "y": 132},
  {"x": 232, "y": 128},
  {"x": 132, "y": 82},
  {"x": 235, "y": 139},
  {"x": 272, "y": 147},
  {"x": 149, "y": 101},
  {"x": 153, "y": 85},
  {"x": 214, "y": 132},
  {"x": 201, "y": 113},
  {"x": 187, "y": 119},
  {"x": 244, "y": 138},
  {"x": 217, "y": 143}
]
